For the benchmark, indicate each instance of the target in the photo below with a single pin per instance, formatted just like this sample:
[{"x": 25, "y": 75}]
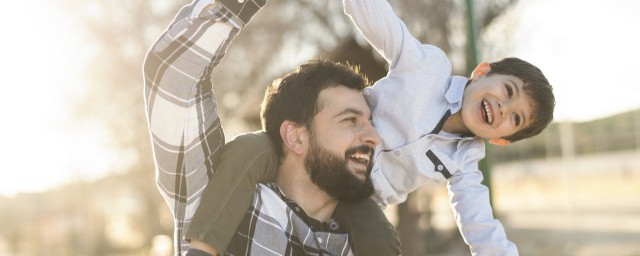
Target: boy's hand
[{"x": 197, "y": 244}]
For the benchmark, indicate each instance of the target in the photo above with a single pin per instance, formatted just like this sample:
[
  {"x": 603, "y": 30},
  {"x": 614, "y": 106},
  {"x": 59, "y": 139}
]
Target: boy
[{"x": 432, "y": 127}]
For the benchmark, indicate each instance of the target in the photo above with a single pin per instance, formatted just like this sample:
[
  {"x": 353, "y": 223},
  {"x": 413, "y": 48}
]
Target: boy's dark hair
[
  {"x": 294, "y": 97},
  {"x": 536, "y": 87}
]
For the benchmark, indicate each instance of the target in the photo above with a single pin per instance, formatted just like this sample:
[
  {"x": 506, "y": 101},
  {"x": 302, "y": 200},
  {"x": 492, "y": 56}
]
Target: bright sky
[
  {"x": 41, "y": 67},
  {"x": 588, "y": 49}
]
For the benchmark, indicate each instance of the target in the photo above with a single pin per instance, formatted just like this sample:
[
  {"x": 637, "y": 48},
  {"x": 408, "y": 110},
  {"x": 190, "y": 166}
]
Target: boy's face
[{"x": 495, "y": 106}]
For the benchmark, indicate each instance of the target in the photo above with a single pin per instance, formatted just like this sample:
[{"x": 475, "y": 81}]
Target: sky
[
  {"x": 41, "y": 65},
  {"x": 588, "y": 50}
]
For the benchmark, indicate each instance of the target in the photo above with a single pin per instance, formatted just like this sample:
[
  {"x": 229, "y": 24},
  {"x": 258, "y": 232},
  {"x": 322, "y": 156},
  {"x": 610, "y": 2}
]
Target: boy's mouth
[{"x": 486, "y": 112}]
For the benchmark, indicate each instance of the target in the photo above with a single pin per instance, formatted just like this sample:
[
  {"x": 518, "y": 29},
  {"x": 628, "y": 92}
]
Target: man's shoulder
[{"x": 257, "y": 142}]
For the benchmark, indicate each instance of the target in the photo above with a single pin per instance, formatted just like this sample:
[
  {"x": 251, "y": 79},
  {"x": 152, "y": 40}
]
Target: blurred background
[{"x": 78, "y": 175}]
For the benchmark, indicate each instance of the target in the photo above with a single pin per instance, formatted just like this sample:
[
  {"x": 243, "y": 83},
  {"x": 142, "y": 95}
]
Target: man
[{"x": 317, "y": 117}]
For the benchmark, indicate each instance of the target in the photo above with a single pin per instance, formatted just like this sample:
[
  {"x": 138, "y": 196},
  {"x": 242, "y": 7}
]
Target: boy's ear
[
  {"x": 481, "y": 70},
  {"x": 293, "y": 137},
  {"x": 499, "y": 142}
]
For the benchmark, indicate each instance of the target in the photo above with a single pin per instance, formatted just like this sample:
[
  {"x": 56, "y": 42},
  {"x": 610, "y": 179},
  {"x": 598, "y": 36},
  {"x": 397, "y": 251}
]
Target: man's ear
[
  {"x": 481, "y": 70},
  {"x": 499, "y": 142},
  {"x": 293, "y": 137}
]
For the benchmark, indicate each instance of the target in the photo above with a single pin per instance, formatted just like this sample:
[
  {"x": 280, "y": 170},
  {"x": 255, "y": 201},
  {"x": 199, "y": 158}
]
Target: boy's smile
[
  {"x": 488, "y": 114},
  {"x": 494, "y": 106}
]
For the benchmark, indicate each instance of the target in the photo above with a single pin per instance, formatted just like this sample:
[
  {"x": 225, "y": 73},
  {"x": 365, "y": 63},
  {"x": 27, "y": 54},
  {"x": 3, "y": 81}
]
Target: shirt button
[
  {"x": 240, "y": 1},
  {"x": 320, "y": 240},
  {"x": 440, "y": 167}
]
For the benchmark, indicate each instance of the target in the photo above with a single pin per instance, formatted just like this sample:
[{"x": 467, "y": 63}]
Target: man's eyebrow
[{"x": 350, "y": 111}]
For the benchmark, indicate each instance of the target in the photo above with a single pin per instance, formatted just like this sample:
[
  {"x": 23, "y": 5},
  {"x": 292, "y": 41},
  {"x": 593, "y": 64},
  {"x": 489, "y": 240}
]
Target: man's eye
[
  {"x": 516, "y": 118},
  {"x": 350, "y": 119},
  {"x": 509, "y": 90}
]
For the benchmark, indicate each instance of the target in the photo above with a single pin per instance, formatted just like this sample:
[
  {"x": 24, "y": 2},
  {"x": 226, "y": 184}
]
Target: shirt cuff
[
  {"x": 236, "y": 12},
  {"x": 241, "y": 11}
]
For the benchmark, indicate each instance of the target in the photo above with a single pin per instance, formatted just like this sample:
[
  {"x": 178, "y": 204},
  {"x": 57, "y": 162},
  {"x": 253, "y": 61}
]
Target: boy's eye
[
  {"x": 509, "y": 90},
  {"x": 516, "y": 118}
]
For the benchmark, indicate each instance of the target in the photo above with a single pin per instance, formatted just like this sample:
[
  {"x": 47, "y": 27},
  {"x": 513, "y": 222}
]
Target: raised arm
[
  {"x": 181, "y": 109},
  {"x": 377, "y": 22}
]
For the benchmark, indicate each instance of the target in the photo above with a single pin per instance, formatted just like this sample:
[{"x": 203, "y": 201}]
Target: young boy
[{"x": 432, "y": 127}]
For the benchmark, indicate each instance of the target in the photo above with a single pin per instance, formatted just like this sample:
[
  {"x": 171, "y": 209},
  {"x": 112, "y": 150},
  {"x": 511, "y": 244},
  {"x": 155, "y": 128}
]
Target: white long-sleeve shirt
[{"x": 409, "y": 107}]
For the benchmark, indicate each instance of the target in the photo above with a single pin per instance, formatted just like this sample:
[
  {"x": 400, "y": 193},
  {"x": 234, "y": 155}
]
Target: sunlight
[{"x": 43, "y": 145}]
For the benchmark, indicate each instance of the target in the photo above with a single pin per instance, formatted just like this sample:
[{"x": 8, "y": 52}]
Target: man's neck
[{"x": 296, "y": 185}]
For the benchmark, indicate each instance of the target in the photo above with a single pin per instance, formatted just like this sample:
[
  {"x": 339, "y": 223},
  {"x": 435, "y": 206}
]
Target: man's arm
[
  {"x": 181, "y": 109},
  {"x": 473, "y": 213}
]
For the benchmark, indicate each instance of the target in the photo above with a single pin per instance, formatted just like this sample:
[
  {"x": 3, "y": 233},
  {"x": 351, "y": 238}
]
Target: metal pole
[{"x": 472, "y": 62}]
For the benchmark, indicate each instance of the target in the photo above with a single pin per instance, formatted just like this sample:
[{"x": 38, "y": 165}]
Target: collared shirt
[
  {"x": 409, "y": 107},
  {"x": 275, "y": 225},
  {"x": 181, "y": 109}
]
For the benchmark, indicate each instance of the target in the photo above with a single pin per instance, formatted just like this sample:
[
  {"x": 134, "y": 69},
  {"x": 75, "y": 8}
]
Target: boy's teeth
[{"x": 485, "y": 105}]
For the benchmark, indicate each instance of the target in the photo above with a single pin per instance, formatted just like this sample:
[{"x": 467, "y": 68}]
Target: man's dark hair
[
  {"x": 536, "y": 87},
  {"x": 294, "y": 96}
]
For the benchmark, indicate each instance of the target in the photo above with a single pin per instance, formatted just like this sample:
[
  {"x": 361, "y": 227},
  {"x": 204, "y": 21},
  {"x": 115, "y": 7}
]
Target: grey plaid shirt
[
  {"x": 187, "y": 137},
  {"x": 276, "y": 225},
  {"x": 181, "y": 109}
]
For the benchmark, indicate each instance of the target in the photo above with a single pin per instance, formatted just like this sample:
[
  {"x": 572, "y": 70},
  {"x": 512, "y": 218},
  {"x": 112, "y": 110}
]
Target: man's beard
[{"x": 329, "y": 172}]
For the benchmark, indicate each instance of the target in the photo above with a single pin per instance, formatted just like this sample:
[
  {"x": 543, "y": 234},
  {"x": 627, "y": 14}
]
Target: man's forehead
[{"x": 342, "y": 99}]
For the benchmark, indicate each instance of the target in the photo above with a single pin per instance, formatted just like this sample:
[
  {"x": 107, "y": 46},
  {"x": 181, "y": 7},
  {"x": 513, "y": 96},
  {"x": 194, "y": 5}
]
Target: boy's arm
[
  {"x": 181, "y": 109},
  {"x": 382, "y": 28},
  {"x": 247, "y": 160},
  {"x": 473, "y": 213}
]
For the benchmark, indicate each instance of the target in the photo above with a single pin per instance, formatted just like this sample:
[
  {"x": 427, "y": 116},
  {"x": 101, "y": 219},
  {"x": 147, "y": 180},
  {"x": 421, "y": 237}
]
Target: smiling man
[
  {"x": 316, "y": 119},
  {"x": 321, "y": 127}
]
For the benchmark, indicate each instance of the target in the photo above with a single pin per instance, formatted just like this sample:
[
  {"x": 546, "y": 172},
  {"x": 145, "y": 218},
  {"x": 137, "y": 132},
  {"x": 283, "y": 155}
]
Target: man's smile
[{"x": 361, "y": 157}]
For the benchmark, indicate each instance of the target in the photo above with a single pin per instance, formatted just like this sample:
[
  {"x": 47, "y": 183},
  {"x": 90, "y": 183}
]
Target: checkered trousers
[
  {"x": 275, "y": 225},
  {"x": 181, "y": 108}
]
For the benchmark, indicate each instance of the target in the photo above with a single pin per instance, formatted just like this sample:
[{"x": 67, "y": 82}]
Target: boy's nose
[{"x": 501, "y": 109}]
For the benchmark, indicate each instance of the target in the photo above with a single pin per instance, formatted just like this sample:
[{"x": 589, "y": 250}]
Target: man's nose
[{"x": 370, "y": 136}]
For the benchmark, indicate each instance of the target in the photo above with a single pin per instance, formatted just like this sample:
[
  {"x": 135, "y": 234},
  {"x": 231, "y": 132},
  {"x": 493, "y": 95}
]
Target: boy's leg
[
  {"x": 245, "y": 161},
  {"x": 369, "y": 230}
]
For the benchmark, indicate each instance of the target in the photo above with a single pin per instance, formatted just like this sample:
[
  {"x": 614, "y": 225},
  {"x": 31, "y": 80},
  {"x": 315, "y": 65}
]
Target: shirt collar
[{"x": 455, "y": 92}]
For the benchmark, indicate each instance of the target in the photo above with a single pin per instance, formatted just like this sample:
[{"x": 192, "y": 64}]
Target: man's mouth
[
  {"x": 361, "y": 155},
  {"x": 361, "y": 158},
  {"x": 486, "y": 112}
]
